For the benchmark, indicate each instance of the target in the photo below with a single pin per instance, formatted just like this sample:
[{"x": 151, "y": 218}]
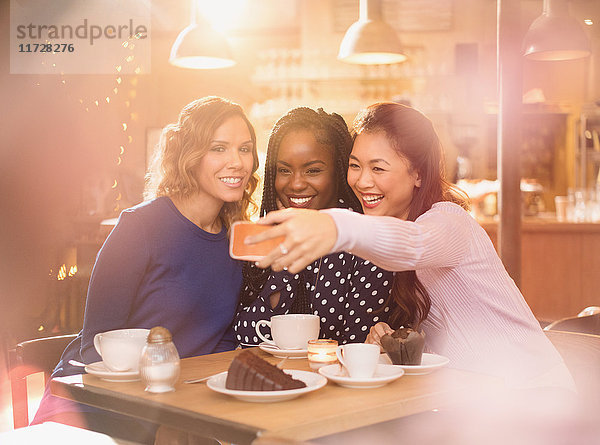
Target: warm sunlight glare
[
  {"x": 35, "y": 390},
  {"x": 223, "y": 15}
]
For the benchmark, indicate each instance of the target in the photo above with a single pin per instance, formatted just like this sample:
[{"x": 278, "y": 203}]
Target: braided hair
[{"x": 329, "y": 130}]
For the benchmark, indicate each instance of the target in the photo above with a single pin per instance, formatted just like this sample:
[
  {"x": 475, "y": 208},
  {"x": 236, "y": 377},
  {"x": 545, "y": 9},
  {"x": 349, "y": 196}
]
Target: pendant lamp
[
  {"x": 556, "y": 35},
  {"x": 200, "y": 46},
  {"x": 370, "y": 40}
]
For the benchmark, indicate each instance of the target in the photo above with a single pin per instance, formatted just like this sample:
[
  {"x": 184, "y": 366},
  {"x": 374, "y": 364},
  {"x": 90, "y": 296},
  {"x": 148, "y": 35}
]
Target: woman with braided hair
[{"x": 306, "y": 167}]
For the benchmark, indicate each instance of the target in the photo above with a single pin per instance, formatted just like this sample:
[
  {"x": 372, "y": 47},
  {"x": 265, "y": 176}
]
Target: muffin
[{"x": 404, "y": 346}]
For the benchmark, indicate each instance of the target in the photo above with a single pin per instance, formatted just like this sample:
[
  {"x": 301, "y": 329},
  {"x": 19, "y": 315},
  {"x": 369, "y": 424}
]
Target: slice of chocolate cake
[
  {"x": 404, "y": 346},
  {"x": 249, "y": 372}
]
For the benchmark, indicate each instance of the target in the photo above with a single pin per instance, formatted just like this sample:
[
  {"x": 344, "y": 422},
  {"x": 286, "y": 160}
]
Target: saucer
[
  {"x": 429, "y": 363},
  {"x": 99, "y": 369},
  {"x": 384, "y": 374},
  {"x": 313, "y": 382},
  {"x": 283, "y": 353}
]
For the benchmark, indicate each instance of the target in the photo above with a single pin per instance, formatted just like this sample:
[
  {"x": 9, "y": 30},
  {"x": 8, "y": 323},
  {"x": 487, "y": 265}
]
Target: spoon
[
  {"x": 76, "y": 363},
  {"x": 204, "y": 379}
]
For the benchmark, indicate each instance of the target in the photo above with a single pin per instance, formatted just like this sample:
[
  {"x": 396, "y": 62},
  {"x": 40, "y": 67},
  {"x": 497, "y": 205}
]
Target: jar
[{"x": 159, "y": 363}]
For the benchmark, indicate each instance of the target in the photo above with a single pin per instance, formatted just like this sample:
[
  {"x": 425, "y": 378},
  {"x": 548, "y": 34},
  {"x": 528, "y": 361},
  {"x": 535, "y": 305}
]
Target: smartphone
[{"x": 250, "y": 252}]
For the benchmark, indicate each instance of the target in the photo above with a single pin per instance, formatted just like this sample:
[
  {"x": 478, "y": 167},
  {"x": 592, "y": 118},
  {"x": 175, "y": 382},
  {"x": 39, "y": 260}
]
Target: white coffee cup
[
  {"x": 359, "y": 359},
  {"x": 121, "y": 349},
  {"x": 290, "y": 331}
]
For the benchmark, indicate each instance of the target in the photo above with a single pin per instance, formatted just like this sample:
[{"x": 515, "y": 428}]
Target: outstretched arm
[{"x": 436, "y": 239}]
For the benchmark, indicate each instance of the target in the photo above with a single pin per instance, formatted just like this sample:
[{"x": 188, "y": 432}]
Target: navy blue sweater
[{"x": 158, "y": 268}]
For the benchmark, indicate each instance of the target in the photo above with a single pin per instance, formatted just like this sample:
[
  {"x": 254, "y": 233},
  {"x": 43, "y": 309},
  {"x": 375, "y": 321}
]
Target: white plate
[
  {"x": 429, "y": 363},
  {"x": 313, "y": 382},
  {"x": 283, "y": 353},
  {"x": 99, "y": 369},
  {"x": 384, "y": 374}
]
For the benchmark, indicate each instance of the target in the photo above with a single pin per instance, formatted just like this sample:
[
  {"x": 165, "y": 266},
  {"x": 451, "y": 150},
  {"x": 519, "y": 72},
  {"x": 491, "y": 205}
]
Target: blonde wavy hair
[{"x": 183, "y": 144}]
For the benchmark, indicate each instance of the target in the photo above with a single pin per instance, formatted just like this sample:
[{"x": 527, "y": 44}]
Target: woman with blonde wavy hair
[
  {"x": 171, "y": 173},
  {"x": 167, "y": 261}
]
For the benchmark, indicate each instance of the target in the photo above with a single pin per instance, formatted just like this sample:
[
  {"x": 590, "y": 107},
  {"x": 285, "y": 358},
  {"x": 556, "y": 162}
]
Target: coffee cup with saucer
[
  {"x": 120, "y": 350},
  {"x": 290, "y": 331}
]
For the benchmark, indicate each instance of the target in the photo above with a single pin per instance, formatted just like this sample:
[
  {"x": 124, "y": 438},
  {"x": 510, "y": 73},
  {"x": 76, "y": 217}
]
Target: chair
[
  {"x": 29, "y": 357},
  {"x": 581, "y": 353},
  {"x": 590, "y": 310},
  {"x": 585, "y": 324}
]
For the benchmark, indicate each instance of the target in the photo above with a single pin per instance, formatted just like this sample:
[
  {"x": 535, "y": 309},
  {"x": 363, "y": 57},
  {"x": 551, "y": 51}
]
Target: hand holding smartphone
[{"x": 250, "y": 252}]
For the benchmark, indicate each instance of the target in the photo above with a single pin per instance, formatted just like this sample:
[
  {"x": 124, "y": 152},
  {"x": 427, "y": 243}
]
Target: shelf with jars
[
  {"x": 288, "y": 78},
  {"x": 544, "y": 150},
  {"x": 587, "y": 167}
]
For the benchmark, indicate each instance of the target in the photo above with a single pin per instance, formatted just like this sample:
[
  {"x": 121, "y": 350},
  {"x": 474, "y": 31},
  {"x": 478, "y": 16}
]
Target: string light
[
  {"x": 62, "y": 273},
  {"x": 132, "y": 116}
]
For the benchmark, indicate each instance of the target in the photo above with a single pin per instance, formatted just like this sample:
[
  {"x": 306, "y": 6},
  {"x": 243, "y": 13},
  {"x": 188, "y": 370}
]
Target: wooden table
[{"x": 331, "y": 409}]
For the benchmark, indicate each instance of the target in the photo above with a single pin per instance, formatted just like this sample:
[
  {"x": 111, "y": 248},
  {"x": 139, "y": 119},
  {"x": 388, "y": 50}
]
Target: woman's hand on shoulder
[
  {"x": 309, "y": 234},
  {"x": 378, "y": 331}
]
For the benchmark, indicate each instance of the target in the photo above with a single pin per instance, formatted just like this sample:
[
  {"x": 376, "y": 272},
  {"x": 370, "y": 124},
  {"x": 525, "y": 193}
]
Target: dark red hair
[{"x": 413, "y": 137}]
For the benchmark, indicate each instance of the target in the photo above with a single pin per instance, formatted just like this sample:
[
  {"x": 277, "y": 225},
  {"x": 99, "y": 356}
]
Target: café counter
[{"x": 560, "y": 265}]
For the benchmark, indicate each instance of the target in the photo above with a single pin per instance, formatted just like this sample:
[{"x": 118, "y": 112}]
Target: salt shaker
[{"x": 159, "y": 363}]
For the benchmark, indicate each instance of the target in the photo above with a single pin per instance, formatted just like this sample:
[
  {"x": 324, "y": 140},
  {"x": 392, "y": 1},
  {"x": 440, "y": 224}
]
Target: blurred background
[{"x": 75, "y": 147}]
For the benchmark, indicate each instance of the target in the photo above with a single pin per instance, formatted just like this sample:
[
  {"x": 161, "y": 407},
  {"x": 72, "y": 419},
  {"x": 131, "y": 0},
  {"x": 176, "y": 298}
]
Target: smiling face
[
  {"x": 305, "y": 175},
  {"x": 383, "y": 180},
  {"x": 223, "y": 172}
]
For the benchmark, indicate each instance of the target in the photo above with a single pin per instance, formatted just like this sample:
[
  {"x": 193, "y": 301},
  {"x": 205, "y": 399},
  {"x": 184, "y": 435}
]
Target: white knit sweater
[{"x": 478, "y": 317}]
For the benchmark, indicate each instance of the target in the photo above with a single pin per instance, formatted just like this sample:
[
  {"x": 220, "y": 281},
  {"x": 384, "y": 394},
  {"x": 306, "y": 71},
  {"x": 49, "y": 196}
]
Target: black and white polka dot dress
[{"x": 348, "y": 293}]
